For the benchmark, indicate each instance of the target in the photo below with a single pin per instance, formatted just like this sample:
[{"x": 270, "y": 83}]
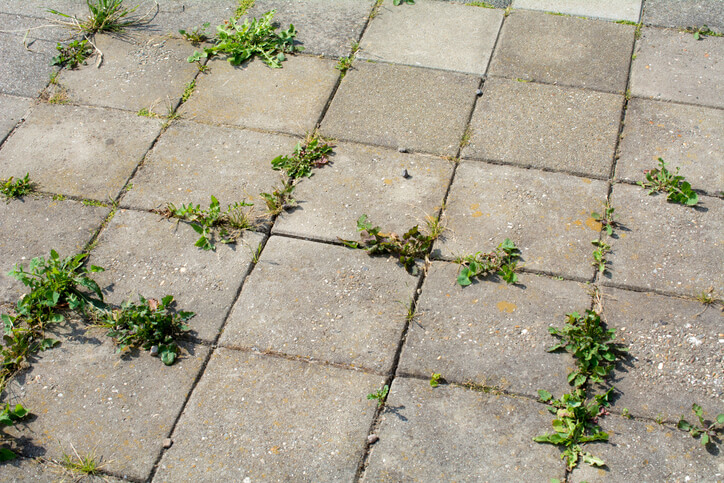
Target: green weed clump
[
  {"x": 502, "y": 261},
  {"x": 661, "y": 179},
  {"x": 313, "y": 153},
  {"x": 9, "y": 417},
  {"x": 103, "y": 16},
  {"x": 16, "y": 188},
  {"x": 379, "y": 395},
  {"x": 73, "y": 54},
  {"x": 706, "y": 431}
]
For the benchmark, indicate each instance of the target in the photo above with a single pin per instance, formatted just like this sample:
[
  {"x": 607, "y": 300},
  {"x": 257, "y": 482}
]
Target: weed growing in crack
[
  {"x": 103, "y": 16},
  {"x": 196, "y": 35},
  {"x": 188, "y": 91},
  {"x": 243, "y": 6},
  {"x": 281, "y": 198},
  {"x": 607, "y": 219},
  {"x": 379, "y": 395},
  {"x": 705, "y": 430},
  {"x": 312, "y": 154},
  {"x": 400, "y": 2},
  {"x": 700, "y": 33},
  {"x": 480, "y": 4},
  {"x": 435, "y": 379},
  {"x": 73, "y": 54},
  {"x": 12, "y": 188},
  {"x": 344, "y": 63},
  {"x": 599, "y": 255},
  {"x": 502, "y": 262},
  {"x": 87, "y": 465},
  {"x": 9, "y": 417},
  {"x": 661, "y": 179}
]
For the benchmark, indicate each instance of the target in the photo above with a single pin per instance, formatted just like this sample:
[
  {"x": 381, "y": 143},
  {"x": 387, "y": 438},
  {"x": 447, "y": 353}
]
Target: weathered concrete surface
[
  {"x": 174, "y": 15},
  {"x": 491, "y": 333},
  {"x": 666, "y": 246},
  {"x": 144, "y": 254},
  {"x": 685, "y": 13},
  {"x": 266, "y": 418},
  {"x": 610, "y": 9},
  {"x": 564, "y": 51},
  {"x": 12, "y": 111},
  {"x": 39, "y": 8},
  {"x": 673, "y": 66},
  {"x": 32, "y": 28},
  {"x": 367, "y": 180},
  {"x": 29, "y": 469},
  {"x": 78, "y": 151},
  {"x": 24, "y": 72},
  {"x": 191, "y": 161},
  {"x": 399, "y": 106},
  {"x": 322, "y": 302},
  {"x": 455, "y": 434},
  {"x": 32, "y": 227},
  {"x": 289, "y": 99},
  {"x": 450, "y": 37},
  {"x": 547, "y": 215},
  {"x": 558, "y": 128},
  {"x": 689, "y": 137}
]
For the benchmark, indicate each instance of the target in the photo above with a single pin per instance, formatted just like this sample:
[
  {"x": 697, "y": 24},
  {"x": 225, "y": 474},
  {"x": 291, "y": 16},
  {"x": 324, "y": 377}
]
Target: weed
[
  {"x": 507, "y": 10},
  {"x": 104, "y": 16},
  {"x": 203, "y": 68},
  {"x": 53, "y": 81},
  {"x": 243, "y": 6},
  {"x": 599, "y": 255},
  {"x": 502, "y": 262},
  {"x": 399, "y": 2},
  {"x": 89, "y": 202},
  {"x": 88, "y": 465},
  {"x": 701, "y": 32},
  {"x": 255, "y": 254},
  {"x": 707, "y": 297},
  {"x": 281, "y": 198},
  {"x": 379, "y": 395},
  {"x": 480, "y": 4},
  {"x": 73, "y": 54},
  {"x": 197, "y": 34},
  {"x": 637, "y": 32},
  {"x": 59, "y": 198},
  {"x": 16, "y": 188},
  {"x": 146, "y": 112},
  {"x": 8, "y": 417},
  {"x": 312, "y": 154},
  {"x": 607, "y": 219},
  {"x": 707, "y": 430},
  {"x": 435, "y": 379},
  {"x": 376, "y": 8},
  {"x": 188, "y": 91},
  {"x": 659, "y": 419},
  {"x": 466, "y": 137},
  {"x": 345, "y": 63},
  {"x": 60, "y": 97},
  {"x": 625, "y": 413},
  {"x": 626, "y": 22},
  {"x": 661, "y": 179},
  {"x": 258, "y": 37}
]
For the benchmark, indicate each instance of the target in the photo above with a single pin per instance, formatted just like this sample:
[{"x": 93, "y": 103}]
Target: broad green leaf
[
  {"x": 704, "y": 439},
  {"x": 544, "y": 395},
  {"x": 684, "y": 425},
  {"x": 6, "y": 455},
  {"x": 720, "y": 419}
]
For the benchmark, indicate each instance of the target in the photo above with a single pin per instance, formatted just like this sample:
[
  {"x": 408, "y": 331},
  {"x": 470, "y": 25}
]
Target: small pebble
[
  {"x": 479, "y": 92},
  {"x": 167, "y": 443},
  {"x": 402, "y": 150},
  {"x": 372, "y": 438},
  {"x": 154, "y": 350},
  {"x": 405, "y": 174}
]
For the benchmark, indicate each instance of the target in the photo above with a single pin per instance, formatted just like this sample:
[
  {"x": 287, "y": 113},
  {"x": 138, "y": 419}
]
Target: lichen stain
[{"x": 508, "y": 307}]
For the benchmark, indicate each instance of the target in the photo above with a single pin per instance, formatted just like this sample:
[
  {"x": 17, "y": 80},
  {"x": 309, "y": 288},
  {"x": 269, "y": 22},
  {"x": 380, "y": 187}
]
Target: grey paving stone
[
  {"x": 675, "y": 349},
  {"x": 551, "y": 127},
  {"x": 442, "y": 36},
  {"x": 322, "y": 302},
  {"x": 491, "y": 333},
  {"x": 673, "y": 66},
  {"x": 32, "y": 227},
  {"x": 685, "y": 13},
  {"x": 152, "y": 75},
  {"x": 367, "y": 180},
  {"x": 689, "y": 137},
  {"x": 289, "y": 99},
  {"x": 611, "y": 9},
  {"x": 24, "y": 72},
  {"x": 145, "y": 255},
  {"x": 174, "y": 15},
  {"x": 493, "y": 3},
  {"x": 78, "y": 151},
  {"x": 646, "y": 451},
  {"x": 245, "y": 421},
  {"x": 39, "y": 8},
  {"x": 12, "y": 111},
  {"x": 454, "y": 434},
  {"x": 399, "y": 106},
  {"x": 191, "y": 161},
  {"x": 667, "y": 246},
  {"x": 84, "y": 395},
  {"x": 564, "y": 50},
  {"x": 28, "y": 469},
  {"x": 31, "y": 28},
  {"x": 547, "y": 215},
  {"x": 324, "y": 27}
]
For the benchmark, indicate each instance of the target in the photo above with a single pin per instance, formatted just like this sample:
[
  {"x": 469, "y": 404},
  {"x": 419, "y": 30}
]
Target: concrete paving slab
[
  {"x": 367, "y": 180},
  {"x": 547, "y": 215},
  {"x": 324, "y": 27},
  {"x": 174, "y": 15},
  {"x": 78, "y": 151},
  {"x": 402, "y": 107},
  {"x": 667, "y": 246},
  {"x": 32, "y": 28},
  {"x": 28, "y": 469},
  {"x": 191, "y": 161},
  {"x": 34, "y": 226},
  {"x": 454, "y": 434},
  {"x": 39, "y": 8},
  {"x": 163, "y": 260},
  {"x": 685, "y": 13},
  {"x": 558, "y": 128},
  {"x": 675, "y": 349},
  {"x": 491, "y": 3},
  {"x": 673, "y": 66},
  {"x": 564, "y": 51},
  {"x": 611, "y": 9},
  {"x": 491, "y": 333},
  {"x": 12, "y": 111},
  {"x": 288, "y": 100},
  {"x": 646, "y": 451},
  {"x": 82, "y": 393},
  {"x": 244, "y": 421},
  {"x": 689, "y": 137},
  {"x": 441, "y": 36},
  {"x": 24, "y": 72},
  {"x": 322, "y": 302}
]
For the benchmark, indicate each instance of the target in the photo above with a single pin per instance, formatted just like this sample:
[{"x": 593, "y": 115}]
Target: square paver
[
  {"x": 266, "y": 418},
  {"x": 289, "y": 99},
  {"x": 455, "y": 434},
  {"x": 610, "y": 9},
  {"x": 78, "y": 151},
  {"x": 441, "y": 36},
  {"x": 402, "y": 107},
  {"x": 675, "y": 354},
  {"x": 85, "y": 396},
  {"x": 32, "y": 227},
  {"x": 39, "y": 8},
  {"x": 324, "y": 27},
  {"x": 322, "y": 302},
  {"x": 144, "y": 254},
  {"x": 673, "y": 66},
  {"x": 191, "y": 161},
  {"x": 149, "y": 74},
  {"x": 557, "y": 128},
  {"x": 491, "y": 333},
  {"x": 547, "y": 215},
  {"x": 667, "y": 246},
  {"x": 685, "y": 13},
  {"x": 12, "y": 111},
  {"x": 174, "y": 15},
  {"x": 689, "y": 137},
  {"x": 367, "y": 180},
  {"x": 32, "y": 28},
  {"x": 564, "y": 50},
  {"x": 25, "y": 72}
]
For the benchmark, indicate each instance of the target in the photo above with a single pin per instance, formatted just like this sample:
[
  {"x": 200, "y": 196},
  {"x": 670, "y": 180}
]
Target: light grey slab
[
  {"x": 13, "y": 110},
  {"x": 611, "y": 9},
  {"x": 685, "y": 13},
  {"x": 25, "y": 71}
]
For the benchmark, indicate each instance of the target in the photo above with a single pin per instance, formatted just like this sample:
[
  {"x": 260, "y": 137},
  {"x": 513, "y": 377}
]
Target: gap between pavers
[
  {"x": 24, "y": 72},
  {"x": 146, "y": 255},
  {"x": 322, "y": 302},
  {"x": 629, "y": 10},
  {"x": 266, "y": 418},
  {"x": 455, "y": 434},
  {"x": 685, "y": 13},
  {"x": 12, "y": 111}
]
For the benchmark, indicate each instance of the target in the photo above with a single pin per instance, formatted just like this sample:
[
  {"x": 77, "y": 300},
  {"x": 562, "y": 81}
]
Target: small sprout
[
  {"x": 197, "y": 34},
  {"x": 661, "y": 179},
  {"x": 502, "y": 262},
  {"x": 607, "y": 219},
  {"x": 625, "y": 413},
  {"x": 379, "y": 395},
  {"x": 16, "y": 188},
  {"x": 599, "y": 255},
  {"x": 705, "y": 430},
  {"x": 435, "y": 379},
  {"x": 400, "y": 2},
  {"x": 188, "y": 91},
  {"x": 312, "y": 154}
]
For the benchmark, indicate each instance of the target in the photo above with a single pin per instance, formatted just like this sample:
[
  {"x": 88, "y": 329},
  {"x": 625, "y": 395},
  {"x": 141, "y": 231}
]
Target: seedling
[
  {"x": 281, "y": 198},
  {"x": 197, "y": 34},
  {"x": 705, "y": 429},
  {"x": 188, "y": 90},
  {"x": 625, "y": 413},
  {"x": 88, "y": 465},
  {"x": 257, "y": 37},
  {"x": 599, "y": 255},
  {"x": 701, "y": 32},
  {"x": 9, "y": 417},
  {"x": 480, "y": 4},
  {"x": 607, "y": 219},
  {"x": 73, "y": 54},
  {"x": 16, "y": 188},
  {"x": 104, "y": 16},
  {"x": 502, "y": 262},
  {"x": 312, "y": 154},
  {"x": 435, "y": 379},
  {"x": 345, "y": 63},
  {"x": 379, "y": 395},
  {"x": 661, "y": 179},
  {"x": 400, "y": 2}
]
